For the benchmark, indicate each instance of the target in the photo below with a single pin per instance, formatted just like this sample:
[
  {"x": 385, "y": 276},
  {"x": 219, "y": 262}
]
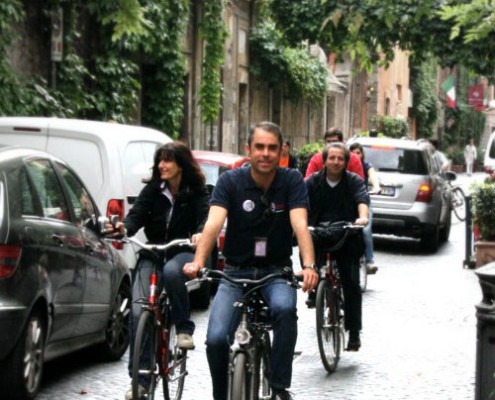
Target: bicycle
[
  {"x": 457, "y": 200},
  {"x": 330, "y": 329},
  {"x": 250, "y": 354},
  {"x": 156, "y": 356}
]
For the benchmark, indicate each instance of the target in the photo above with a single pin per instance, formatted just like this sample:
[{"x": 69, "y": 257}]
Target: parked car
[
  {"x": 489, "y": 159},
  {"x": 62, "y": 287},
  {"x": 213, "y": 163},
  {"x": 415, "y": 199},
  {"x": 110, "y": 158}
]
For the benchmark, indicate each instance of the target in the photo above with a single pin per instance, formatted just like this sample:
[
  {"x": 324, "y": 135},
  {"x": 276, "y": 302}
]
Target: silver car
[{"x": 415, "y": 200}]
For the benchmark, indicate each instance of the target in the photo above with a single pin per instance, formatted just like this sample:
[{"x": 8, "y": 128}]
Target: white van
[
  {"x": 111, "y": 159},
  {"x": 489, "y": 161}
]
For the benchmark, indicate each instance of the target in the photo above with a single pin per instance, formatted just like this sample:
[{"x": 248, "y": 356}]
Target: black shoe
[
  {"x": 311, "y": 300},
  {"x": 354, "y": 342},
  {"x": 281, "y": 395}
]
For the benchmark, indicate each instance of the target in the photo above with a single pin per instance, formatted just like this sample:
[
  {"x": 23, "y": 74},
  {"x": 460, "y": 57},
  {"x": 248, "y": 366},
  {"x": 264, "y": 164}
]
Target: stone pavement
[{"x": 419, "y": 338}]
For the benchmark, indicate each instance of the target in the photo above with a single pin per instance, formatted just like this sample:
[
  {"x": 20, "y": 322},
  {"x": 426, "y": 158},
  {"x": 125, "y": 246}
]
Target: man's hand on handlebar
[
  {"x": 310, "y": 279},
  {"x": 363, "y": 221},
  {"x": 117, "y": 229},
  {"x": 191, "y": 269}
]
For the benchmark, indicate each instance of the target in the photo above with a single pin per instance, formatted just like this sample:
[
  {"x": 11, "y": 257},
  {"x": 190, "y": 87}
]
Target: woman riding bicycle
[{"x": 172, "y": 205}]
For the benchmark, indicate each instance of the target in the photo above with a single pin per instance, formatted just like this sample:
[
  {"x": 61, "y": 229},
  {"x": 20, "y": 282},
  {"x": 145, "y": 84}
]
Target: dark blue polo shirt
[{"x": 255, "y": 217}]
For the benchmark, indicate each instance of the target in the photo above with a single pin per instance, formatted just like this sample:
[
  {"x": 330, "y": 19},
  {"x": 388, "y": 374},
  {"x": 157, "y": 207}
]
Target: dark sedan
[{"x": 62, "y": 287}]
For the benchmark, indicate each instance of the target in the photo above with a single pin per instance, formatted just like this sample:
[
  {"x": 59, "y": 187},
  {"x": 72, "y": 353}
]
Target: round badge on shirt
[{"x": 248, "y": 205}]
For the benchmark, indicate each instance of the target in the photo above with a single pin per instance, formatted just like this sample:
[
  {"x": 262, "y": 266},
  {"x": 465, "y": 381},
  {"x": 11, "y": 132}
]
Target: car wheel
[
  {"x": 21, "y": 375},
  {"x": 117, "y": 332},
  {"x": 430, "y": 240}
]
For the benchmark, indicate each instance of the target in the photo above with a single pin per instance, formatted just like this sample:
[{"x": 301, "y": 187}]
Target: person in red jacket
[{"x": 316, "y": 162}]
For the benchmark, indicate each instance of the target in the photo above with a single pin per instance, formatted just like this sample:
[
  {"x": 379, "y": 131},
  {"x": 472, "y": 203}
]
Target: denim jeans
[
  {"x": 224, "y": 318},
  {"x": 368, "y": 239},
  {"x": 175, "y": 284}
]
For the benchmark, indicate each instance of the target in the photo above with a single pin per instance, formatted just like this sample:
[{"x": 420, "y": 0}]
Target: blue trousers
[
  {"x": 224, "y": 319},
  {"x": 174, "y": 280}
]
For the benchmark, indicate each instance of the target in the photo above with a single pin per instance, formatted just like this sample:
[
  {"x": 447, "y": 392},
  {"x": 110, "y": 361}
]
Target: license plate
[{"x": 387, "y": 191}]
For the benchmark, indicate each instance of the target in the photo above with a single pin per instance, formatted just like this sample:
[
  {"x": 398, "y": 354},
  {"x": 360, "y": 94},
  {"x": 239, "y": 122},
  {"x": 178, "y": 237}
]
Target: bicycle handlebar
[
  {"x": 205, "y": 273},
  {"x": 155, "y": 247}
]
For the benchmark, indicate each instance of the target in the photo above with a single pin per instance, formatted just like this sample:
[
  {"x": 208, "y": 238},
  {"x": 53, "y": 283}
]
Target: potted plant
[{"x": 483, "y": 208}]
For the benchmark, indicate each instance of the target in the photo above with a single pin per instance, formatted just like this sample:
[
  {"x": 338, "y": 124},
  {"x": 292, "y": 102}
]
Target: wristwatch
[{"x": 312, "y": 266}]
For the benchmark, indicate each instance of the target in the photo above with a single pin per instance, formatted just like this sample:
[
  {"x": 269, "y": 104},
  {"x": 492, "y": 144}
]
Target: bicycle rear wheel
[
  {"x": 144, "y": 362},
  {"x": 458, "y": 203},
  {"x": 238, "y": 378},
  {"x": 173, "y": 382},
  {"x": 328, "y": 326}
]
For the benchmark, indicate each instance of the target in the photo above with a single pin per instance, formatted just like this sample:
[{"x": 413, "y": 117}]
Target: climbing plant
[{"x": 214, "y": 32}]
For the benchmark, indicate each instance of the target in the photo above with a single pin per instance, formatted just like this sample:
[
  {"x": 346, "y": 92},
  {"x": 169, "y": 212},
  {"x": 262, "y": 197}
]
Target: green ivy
[
  {"x": 391, "y": 126},
  {"x": 293, "y": 68},
  {"x": 214, "y": 32},
  {"x": 425, "y": 109}
]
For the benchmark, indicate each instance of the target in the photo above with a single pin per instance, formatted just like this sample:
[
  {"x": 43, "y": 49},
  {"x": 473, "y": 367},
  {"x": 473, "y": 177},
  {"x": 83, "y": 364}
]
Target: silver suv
[{"x": 415, "y": 200}]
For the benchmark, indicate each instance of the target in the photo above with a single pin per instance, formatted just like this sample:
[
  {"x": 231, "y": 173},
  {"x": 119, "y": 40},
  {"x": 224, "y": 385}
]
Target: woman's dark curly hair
[{"x": 192, "y": 176}]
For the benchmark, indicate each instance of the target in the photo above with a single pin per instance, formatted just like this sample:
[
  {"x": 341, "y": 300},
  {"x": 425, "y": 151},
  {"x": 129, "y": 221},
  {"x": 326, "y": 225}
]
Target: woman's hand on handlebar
[
  {"x": 310, "y": 279},
  {"x": 191, "y": 269}
]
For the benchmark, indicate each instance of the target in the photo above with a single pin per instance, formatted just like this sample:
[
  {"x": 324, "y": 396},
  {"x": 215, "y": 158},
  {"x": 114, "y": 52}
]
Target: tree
[{"x": 367, "y": 29}]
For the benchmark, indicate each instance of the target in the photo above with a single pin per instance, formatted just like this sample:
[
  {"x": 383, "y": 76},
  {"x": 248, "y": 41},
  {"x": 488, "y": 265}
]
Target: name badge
[{"x": 260, "y": 247}]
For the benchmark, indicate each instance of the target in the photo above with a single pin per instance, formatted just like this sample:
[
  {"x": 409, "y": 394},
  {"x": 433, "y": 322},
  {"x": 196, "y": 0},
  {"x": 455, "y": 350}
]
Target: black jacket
[
  {"x": 152, "y": 207},
  {"x": 355, "y": 192}
]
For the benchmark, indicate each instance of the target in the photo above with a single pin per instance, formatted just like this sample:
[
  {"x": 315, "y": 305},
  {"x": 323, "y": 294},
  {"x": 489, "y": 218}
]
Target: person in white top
[{"x": 470, "y": 155}]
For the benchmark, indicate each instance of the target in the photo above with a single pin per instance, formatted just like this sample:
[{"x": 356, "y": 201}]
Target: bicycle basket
[{"x": 329, "y": 236}]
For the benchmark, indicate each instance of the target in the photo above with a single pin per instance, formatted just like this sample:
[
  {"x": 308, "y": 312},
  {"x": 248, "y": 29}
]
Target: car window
[
  {"x": 84, "y": 208},
  {"x": 20, "y": 191},
  {"x": 48, "y": 188},
  {"x": 137, "y": 163},
  {"x": 212, "y": 172},
  {"x": 391, "y": 159}
]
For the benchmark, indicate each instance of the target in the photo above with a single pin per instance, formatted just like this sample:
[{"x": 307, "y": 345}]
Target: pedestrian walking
[{"x": 470, "y": 155}]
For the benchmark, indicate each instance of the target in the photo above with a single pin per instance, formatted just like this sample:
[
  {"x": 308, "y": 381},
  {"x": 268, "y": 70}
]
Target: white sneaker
[
  {"x": 141, "y": 393},
  {"x": 185, "y": 341}
]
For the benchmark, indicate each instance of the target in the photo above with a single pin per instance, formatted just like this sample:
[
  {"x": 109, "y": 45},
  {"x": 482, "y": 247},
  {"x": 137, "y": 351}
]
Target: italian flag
[{"x": 448, "y": 86}]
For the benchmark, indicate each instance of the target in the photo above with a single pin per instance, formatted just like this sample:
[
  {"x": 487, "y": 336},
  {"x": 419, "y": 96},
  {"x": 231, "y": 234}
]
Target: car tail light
[
  {"x": 116, "y": 207},
  {"x": 9, "y": 259},
  {"x": 424, "y": 193}
]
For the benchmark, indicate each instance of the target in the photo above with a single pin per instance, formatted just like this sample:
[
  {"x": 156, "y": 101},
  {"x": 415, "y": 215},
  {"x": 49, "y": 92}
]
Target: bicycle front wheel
[
  {"x": 458, "y": 203},
  {"x": 173, "y": 381},
  {"x": 262, "y": 374},
  {"x": 144, "y": 361},
  {"x": 328, "y": 326},
  {"x": 239, "y": 380}
]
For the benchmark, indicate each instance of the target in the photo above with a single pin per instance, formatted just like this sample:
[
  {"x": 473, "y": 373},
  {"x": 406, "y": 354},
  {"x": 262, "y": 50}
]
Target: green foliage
[
  {"x": 307, "y": 76},
  {"x": 305, "y": 153},
  {"x": 292, "y": 68},
  {"x": 214, "y": 32},
  {"x": 425, "y": 108},
  {"x": 390, "y": 126},
  {"x": 483, "y": 203},
  {"x": 366, "y": 29},
  {"x": 128, "y": 20}
]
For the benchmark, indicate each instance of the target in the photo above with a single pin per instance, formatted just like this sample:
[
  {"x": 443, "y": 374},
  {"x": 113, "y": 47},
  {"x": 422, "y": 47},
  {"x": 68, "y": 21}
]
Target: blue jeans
[
  {"x": 224, "y": 318},
  {"x": 368, "y": 239},
  {"x": 175, "y": 284}
]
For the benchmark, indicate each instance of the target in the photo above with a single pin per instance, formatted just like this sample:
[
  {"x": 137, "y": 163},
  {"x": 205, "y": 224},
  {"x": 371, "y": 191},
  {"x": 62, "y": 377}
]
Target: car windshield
[
  {"x": 212, "y": 172},
  {"x": 391, "y": 159}
]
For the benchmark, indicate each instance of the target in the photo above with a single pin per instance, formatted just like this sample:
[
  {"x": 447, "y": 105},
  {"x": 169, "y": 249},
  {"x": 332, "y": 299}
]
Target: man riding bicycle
[
  {"x": 338, "y": 195},
  {"x": 265, "y": 205}
]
